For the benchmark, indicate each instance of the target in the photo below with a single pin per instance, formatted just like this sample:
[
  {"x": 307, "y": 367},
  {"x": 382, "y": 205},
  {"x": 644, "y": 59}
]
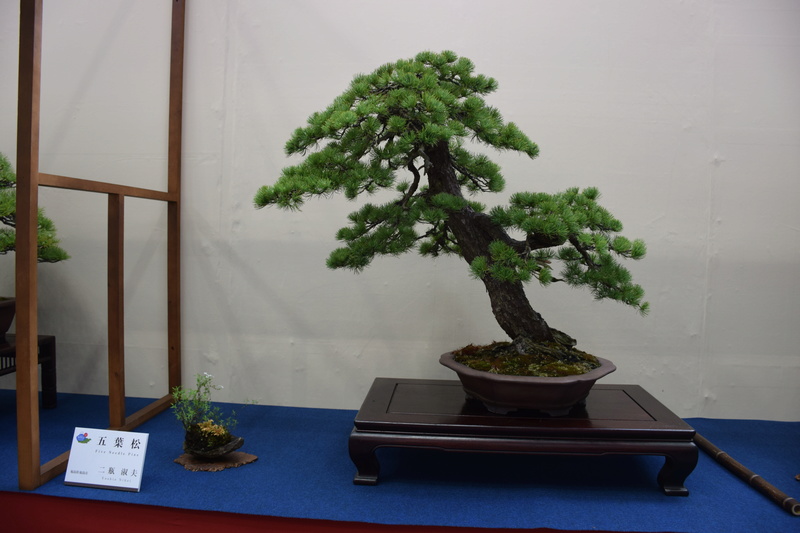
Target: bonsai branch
[
  {"x": 413, "y": 188},
  {"x": 479, "y": 183},
  {"x": 583, "y": 250}
]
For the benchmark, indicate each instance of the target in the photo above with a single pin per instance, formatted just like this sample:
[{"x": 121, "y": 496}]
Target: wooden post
[
  {"x": 174, "y": 188},
  {"x": 30, "y": 61},
  {"x": 116, "y": 311}
]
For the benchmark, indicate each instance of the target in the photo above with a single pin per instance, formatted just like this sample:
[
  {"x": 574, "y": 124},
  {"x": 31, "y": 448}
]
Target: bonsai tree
[
  {"x": 407, "y": 127},
  {"x": 48, "y": 250}
]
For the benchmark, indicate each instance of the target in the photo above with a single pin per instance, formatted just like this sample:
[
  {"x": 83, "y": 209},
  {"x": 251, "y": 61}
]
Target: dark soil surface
[{"x": 548, "y": 360}]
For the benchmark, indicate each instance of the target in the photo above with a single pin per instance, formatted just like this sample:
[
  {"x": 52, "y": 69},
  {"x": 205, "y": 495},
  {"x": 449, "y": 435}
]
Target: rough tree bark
[{"x": 474, "y": 232}]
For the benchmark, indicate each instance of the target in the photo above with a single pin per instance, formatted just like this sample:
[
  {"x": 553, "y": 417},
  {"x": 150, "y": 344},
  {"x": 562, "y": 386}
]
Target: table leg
[
  {"x": 47, "y": 358},
  {"x": 362, "y": 453},
  {"x": 679, "y": 461}
]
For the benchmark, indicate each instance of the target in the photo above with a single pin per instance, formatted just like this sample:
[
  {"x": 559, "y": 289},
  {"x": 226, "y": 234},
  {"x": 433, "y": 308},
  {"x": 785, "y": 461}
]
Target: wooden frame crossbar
[
  {"x": 32, "y": 474},
  {"x": 76, "y": 184}
]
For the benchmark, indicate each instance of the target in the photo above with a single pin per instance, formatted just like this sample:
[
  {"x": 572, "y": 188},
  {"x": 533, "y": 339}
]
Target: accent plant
[
  {"x": 206, "y": 427},
  {"x": 416, "y": 117}
]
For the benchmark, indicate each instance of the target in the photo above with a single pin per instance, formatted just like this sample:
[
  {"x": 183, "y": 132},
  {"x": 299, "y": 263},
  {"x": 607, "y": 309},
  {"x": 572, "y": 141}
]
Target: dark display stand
[
  {"x": 47, "y": 358},
  {"x": 617, "y": 419}
]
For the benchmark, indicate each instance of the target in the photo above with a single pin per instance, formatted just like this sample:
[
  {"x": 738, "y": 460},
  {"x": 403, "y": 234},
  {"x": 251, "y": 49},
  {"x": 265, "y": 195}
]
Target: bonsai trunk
[{"x": 474, "y": 232}]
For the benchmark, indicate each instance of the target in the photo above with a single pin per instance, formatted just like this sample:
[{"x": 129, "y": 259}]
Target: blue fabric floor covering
[{"x": 304, "y": 471}]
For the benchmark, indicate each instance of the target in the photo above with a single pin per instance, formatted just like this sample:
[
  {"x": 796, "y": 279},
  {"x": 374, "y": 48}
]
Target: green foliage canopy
[
  {"x": 585, "y": 228},
  {"x": 387, "y": 122}
]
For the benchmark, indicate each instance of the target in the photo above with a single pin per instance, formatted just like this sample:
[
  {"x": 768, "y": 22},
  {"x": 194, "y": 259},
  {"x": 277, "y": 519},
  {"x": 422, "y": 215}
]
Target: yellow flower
[{"x": 210, "y": 428}]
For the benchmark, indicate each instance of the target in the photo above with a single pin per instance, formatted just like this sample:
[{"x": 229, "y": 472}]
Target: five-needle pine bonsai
[
  {"x": 48, "y": 250},
  {"x": 415, "y": 118}
]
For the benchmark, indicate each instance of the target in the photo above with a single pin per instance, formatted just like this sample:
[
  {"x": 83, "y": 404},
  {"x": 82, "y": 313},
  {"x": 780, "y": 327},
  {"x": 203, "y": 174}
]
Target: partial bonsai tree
[
  {"x": 407, "y": 127},
  {"x": 48, "y": 250}
]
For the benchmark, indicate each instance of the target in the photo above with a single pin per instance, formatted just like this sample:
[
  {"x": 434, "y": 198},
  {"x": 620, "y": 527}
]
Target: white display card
[{"x": 106, "y": 459}]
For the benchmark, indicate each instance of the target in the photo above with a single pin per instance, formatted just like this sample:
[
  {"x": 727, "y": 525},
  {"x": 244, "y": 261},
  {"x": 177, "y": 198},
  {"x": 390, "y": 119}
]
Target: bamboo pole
[{"x": 789, "y": 504}]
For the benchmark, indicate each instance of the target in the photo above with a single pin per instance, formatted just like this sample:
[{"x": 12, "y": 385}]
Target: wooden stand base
[
  {"x": 47, "y": 358},
  {"x": 231, "y": 460},
  {"x": 617, "y": 419}
]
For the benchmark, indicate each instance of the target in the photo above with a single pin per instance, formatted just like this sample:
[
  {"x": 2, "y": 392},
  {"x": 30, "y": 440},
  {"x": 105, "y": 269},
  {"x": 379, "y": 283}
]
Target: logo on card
[{"x": 83, "y": 438}]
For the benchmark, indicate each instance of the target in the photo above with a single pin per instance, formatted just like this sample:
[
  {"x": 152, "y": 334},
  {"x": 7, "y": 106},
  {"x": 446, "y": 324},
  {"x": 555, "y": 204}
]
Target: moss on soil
[{"x": 551, "y": 359}]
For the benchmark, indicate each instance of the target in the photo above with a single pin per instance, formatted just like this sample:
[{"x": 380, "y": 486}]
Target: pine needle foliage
[
  {"x": 580, "y": 232},
  {"x": 380, "y": 134},
  {"x": 48, "y": 250}
]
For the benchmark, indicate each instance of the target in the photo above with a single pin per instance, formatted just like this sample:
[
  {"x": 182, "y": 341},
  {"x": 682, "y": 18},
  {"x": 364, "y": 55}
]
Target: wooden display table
[
  {"x": 47, "y": 358},
  {"x": 617, "y": 419}
]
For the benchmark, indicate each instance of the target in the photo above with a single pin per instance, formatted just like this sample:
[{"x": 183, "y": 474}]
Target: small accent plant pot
[
  {"x": 503, "y": 394},
  {"x": 214, "y": 453}
]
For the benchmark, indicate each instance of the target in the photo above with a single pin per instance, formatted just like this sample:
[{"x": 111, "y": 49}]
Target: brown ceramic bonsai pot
[{"x": 502, "y": 394}]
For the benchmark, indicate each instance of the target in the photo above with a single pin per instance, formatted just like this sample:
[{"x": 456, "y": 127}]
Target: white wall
[{"x": 686, "y": 115}]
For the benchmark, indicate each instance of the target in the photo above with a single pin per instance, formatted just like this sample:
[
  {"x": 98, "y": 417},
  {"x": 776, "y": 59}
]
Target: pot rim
[{"x": 606, "y": 367}]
